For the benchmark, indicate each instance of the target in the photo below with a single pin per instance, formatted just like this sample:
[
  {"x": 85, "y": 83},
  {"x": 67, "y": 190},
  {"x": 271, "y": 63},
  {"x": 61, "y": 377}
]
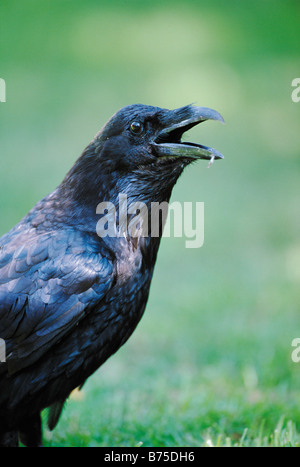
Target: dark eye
[{"x": 136, "y": 128}]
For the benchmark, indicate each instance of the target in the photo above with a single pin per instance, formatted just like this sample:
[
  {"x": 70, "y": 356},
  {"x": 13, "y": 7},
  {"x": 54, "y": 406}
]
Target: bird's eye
[{"x": 136, "y": 128}]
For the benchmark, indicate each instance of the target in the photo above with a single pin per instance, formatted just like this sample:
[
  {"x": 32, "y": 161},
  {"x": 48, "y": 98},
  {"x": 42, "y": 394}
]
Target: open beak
[{"x": 176, "y": 122}]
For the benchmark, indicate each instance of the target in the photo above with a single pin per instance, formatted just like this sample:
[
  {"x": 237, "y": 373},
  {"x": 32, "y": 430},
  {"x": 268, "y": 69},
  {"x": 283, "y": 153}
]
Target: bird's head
[
  {"x": 142, "y": 135},
  {"x": 140, "y": 150}
]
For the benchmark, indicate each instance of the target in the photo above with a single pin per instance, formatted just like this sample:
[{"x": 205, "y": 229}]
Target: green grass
[{"x": 210, "y": 362}]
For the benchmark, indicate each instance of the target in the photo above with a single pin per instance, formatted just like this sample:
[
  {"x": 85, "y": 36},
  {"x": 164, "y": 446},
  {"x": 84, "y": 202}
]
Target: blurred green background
[{"x": 210, "y": 362}]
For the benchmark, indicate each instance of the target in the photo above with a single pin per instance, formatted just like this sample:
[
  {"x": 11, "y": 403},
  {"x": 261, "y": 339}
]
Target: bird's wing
[{"x": 47, "y": 285}]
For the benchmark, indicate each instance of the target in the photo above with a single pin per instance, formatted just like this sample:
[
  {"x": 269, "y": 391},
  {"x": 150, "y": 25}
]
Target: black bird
[{"x": 70, "y": 298}]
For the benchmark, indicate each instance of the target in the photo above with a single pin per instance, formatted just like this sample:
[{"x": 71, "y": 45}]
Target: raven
[{"x": 69, "y": 298}]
